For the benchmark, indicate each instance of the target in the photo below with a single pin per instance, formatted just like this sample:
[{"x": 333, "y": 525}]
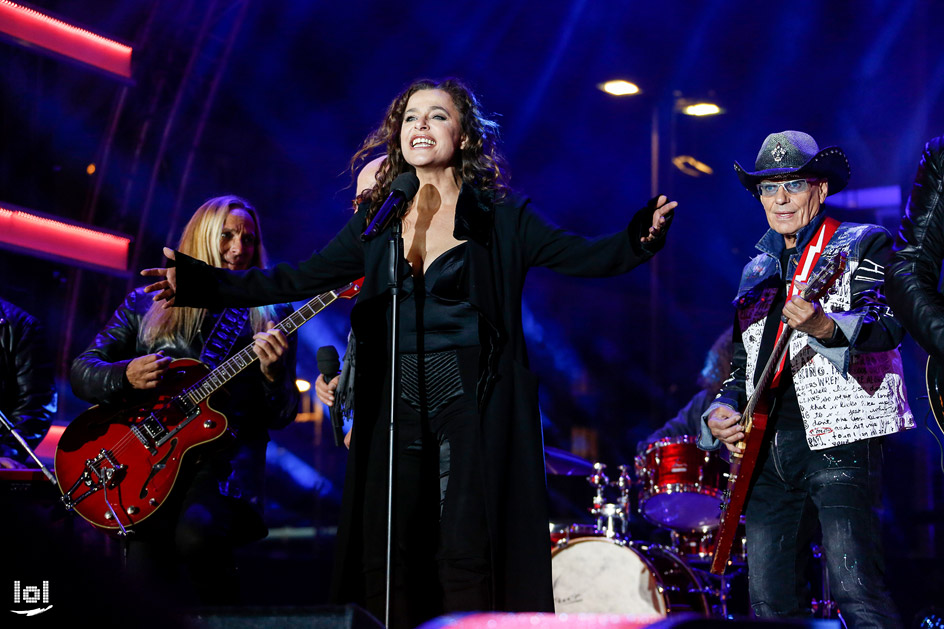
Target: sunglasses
[{"x": 794, "y": 186}]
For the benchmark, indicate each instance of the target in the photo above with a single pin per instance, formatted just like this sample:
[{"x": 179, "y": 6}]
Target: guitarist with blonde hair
[
  {"x": 216, "y": 503},
  {"x": 819, "y": 409}
]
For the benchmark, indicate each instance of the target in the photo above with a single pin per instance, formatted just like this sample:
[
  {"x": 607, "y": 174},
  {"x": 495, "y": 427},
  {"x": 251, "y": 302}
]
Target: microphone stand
[
  {"x": 6, "y": 423},
  {"x": 395, "y": 252}
]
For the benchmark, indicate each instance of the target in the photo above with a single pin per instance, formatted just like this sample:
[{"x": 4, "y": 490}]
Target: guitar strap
[
  {"x": 802, "y": 274},
  {"x": 221, "y": 340}
]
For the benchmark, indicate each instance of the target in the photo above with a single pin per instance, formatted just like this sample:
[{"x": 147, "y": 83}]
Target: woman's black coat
[{"x": 506, "y": 238}]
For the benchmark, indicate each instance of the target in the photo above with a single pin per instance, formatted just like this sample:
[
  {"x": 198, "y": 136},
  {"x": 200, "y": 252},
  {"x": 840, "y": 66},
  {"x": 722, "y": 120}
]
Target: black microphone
[
  {"x": 330, "y": 365},
  {"x": 328, "y": 362},
  {"x": 402, "y": 191}
]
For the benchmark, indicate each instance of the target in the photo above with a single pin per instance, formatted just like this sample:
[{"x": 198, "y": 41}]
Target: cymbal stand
[
  {"x": 600, "y": 481},
  {"x": 625, "y": 485},
  {"x": 825, "y": 607}
]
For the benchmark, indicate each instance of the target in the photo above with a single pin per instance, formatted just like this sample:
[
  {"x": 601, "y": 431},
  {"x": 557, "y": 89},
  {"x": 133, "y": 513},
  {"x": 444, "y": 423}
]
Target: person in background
[
  {"x": 914, "y": 274},
  {"x": 218, "y": 499},
  {"x": 27, "y": 387}
]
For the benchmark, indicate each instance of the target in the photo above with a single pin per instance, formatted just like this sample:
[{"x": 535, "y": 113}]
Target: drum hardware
[
  {"x": 625, "y": 485},
  {"x": 698, "y": 547},
  {"x": 824, "y": 607},
  {"x": 562, "y": 533},
  {"x": 598, "y": 480},
  {"x": 718, "y": 589},
  {"x": 612, "y": 518}
]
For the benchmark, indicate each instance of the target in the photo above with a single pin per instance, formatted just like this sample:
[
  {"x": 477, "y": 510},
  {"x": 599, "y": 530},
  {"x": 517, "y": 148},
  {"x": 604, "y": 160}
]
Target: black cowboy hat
[{"x": 791, "y": 152}]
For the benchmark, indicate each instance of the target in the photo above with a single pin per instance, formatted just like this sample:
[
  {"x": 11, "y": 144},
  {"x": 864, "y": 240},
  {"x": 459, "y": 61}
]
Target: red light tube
[
  {"x": 54, "y": 35},
  {"x": 50, "y": 237}
]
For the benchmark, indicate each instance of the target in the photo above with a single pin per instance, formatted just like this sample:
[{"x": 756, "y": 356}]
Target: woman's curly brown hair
[{"x": 481, "y": 163}]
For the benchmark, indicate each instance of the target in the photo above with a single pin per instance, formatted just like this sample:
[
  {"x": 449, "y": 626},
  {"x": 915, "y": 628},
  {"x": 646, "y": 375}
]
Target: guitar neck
[
  {"x": 215, "y": 380},
  {"x": 767, "y": 375}
]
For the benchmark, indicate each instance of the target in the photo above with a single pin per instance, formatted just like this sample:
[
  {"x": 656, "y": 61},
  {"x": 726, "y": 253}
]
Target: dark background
[{"x": 304, "y": 82}]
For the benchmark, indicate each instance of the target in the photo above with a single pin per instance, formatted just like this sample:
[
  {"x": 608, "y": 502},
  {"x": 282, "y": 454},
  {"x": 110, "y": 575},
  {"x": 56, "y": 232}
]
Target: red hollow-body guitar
[
  {"x": 117, "y": 464},
  {"x": 754, "y": 423}
]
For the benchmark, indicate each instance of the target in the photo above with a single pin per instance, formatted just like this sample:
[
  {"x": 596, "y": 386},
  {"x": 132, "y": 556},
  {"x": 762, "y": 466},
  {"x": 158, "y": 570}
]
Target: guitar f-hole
[{"x": 156, "y": 468}]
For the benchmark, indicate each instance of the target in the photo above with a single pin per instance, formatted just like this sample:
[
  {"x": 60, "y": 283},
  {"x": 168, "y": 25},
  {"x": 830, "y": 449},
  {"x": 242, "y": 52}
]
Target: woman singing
[{"x": 470, "y": 504}]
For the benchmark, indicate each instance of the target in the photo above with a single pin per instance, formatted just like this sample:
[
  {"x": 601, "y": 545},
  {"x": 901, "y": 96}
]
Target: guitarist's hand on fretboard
[
  {"x": 270, "y": 346},
  {"x": 725, "y": 426},
  {"x": 808, "y": 317}
]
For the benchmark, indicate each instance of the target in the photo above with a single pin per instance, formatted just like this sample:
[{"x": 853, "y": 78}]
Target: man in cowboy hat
[{"x": 839, "y": 391}]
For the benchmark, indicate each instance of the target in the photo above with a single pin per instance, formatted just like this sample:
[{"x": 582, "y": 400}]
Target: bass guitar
[
  {"x": 754, "y": 423},
  {"x": 117, "y": 464}
]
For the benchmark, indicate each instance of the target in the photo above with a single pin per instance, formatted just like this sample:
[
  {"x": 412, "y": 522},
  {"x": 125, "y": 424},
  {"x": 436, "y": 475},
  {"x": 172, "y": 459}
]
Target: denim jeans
[{"x": 839, "y": 488}]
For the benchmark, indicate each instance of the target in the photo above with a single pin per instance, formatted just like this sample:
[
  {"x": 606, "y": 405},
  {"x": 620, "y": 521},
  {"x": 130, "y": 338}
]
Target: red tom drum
[{"x": 681, "y": 485}]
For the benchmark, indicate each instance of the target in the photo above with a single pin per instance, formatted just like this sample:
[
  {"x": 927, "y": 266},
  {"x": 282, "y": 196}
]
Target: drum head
[
  {"x": 599, "y": 575},
  {"x": 684, "y": 509}
]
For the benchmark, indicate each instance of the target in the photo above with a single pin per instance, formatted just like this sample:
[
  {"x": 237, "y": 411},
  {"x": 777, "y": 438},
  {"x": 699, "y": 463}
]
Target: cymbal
[{"x": 563, "y": 463}]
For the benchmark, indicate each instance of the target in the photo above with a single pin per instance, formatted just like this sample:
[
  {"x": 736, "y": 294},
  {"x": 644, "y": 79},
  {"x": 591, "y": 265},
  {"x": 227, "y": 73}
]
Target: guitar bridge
[{"x": 102, "y": 472}]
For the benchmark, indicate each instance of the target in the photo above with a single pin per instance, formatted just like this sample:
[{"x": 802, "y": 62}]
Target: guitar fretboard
[
  {"x": 815, "y": 289},
  {"x": 214, "y": 380}
]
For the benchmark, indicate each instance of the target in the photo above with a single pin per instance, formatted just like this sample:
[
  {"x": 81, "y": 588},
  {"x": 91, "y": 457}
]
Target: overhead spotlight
[
  {"x": 90, "y": 169},
  {"x": 691, "y": 166},
  {"x": 619, "y": 88},
  {"x": 303, "y": 386},
  {"x": 700, "y": 109}
]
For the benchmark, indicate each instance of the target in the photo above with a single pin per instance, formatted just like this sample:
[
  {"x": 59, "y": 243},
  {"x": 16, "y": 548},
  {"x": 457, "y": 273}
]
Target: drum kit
[{"x": 599, "y": 568}]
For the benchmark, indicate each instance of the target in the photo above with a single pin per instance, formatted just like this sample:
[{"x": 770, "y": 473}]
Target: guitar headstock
[
  {"x": 824, "y": 279},
  {"x": 351, "y": 290}
]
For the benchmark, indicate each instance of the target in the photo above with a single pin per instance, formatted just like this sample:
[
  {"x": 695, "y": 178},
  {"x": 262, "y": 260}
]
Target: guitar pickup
[
  {"x": 186, "y": 408},
  {"x": 149, "y": 432}
]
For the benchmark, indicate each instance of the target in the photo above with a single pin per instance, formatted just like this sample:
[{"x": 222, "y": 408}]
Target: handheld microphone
[
  {"x": 328, "y": 362},
  {"x": 330, "y": 365},
  {"x": 402, "y": 191}
]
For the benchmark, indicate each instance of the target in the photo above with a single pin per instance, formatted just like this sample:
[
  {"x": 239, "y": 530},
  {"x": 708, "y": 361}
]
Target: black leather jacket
[
  {"x": 27, "y": 387},
  {"x": 251, "y": 404},
  {"x": 911, "y": 280}
]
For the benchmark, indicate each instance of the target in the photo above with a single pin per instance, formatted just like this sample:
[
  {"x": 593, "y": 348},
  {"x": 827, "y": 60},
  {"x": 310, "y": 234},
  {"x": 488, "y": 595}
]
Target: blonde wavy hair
[{"x": 201, "y": 240}]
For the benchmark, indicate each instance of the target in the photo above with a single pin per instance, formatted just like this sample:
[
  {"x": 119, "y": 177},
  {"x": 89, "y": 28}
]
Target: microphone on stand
[
  {"x": 330, "y": 365},
  {"x": 402, "y": 191}
]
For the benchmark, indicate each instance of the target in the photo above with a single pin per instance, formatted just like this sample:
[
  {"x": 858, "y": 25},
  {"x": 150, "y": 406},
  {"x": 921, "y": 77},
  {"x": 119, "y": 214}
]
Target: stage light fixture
[
  {"x": 691, "y": 166},
  {"x": 619, "y": 88},
  {"x": 303, "y": 386},
  {"x": 52, "y": 35},
  {"x": 700, "y": 109}
]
